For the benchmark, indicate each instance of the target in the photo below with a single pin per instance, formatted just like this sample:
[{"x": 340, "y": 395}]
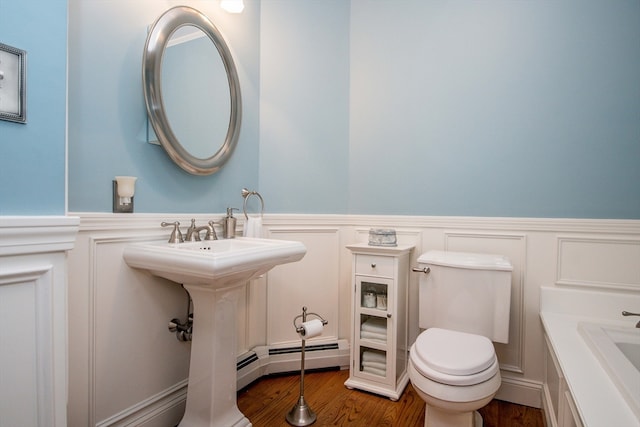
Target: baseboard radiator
[{"x": 265, "y": 360}]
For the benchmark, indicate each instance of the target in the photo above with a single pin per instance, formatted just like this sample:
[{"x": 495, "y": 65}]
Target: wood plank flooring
[{"x": 267, "y": 401}]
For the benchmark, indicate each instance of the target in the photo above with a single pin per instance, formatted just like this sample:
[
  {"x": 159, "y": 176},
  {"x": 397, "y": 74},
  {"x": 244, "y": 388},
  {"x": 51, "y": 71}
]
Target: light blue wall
[
  {"x": 106, "y": 110},
  {"x": 495, "y": 108},
  {"x": 32, "y": 155},
  {"x": 498, "y": 108},
  {"x": 304, "y": 106}
]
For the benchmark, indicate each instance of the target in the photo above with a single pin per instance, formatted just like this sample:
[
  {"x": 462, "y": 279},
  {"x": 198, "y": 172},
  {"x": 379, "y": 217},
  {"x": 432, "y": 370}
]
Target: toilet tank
[{"x": 466, "y": 292}]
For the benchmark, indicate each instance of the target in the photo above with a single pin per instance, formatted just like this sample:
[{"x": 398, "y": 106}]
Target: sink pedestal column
[{"x": 211, "y": 393}]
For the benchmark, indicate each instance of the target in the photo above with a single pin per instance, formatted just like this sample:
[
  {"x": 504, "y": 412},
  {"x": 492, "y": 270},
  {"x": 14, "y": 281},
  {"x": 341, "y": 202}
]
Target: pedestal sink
[{"x": 212, "y": 271}]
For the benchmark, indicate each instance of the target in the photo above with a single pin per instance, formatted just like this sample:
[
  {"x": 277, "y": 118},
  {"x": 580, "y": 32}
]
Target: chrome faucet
[
  {"x": 626, "y": 313},
  {"x": 193, "y": 232},
  {"x": 211, "y": 232}
]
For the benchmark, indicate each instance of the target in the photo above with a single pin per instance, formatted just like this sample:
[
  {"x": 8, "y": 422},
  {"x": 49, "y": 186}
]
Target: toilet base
[
  {"x": 454, "y": 406},
  {"x": 477, "y": 419},
  {"x": 435, "y": 417},
  {"x": 438, "y": 413}
]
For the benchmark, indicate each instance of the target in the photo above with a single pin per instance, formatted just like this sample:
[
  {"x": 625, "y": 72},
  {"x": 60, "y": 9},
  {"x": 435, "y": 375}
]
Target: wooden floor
[{"x": 267, "y": 401}]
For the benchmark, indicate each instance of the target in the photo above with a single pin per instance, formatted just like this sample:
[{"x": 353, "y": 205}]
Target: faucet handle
[
  {"x": 176, "y": 234},
  {"x": 211, "y": 232},
  {"x": 192, "y": 232}
]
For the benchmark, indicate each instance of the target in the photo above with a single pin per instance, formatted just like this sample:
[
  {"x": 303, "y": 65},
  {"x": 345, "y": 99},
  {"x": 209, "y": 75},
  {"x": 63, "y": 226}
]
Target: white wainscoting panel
[
  {"x": 129, "y": 310},
  {"x": 135, "y": 366},
  {"x": 33, "y": 336},
  {"x": 25, "y": 339},
  {"x": 312, "y": 282},
  {"x": 600, "y": 262}
]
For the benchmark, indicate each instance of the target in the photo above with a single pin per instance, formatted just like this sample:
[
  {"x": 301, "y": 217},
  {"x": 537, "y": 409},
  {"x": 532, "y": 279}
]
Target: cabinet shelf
[
  {"x": 377, "y": 312},
  {"x": 379, "y": 319},
  {"x": 375, "y": 344}
]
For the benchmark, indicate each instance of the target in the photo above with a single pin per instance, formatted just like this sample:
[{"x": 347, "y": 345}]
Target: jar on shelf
[
  {"x": 381, "y": 301},
  {"x": 369, "y": 299}
]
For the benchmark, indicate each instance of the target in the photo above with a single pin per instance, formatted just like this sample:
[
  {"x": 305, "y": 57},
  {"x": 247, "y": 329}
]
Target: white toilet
[{"x": 464, "y": 305}]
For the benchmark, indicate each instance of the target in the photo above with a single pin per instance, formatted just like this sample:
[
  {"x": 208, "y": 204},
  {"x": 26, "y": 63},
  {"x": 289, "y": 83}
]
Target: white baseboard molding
[
  {"x": 163, "y": 409},
  {"x": 520, "y": 391}
]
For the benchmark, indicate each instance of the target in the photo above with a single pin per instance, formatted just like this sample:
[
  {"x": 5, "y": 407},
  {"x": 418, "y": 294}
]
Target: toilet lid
[{"x": 454, "y": 353}]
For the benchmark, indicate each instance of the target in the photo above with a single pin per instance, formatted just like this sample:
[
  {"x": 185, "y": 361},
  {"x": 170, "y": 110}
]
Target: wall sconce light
[
  {"x": 123, "y": 190},
  {"x": 232, "y": 6}
]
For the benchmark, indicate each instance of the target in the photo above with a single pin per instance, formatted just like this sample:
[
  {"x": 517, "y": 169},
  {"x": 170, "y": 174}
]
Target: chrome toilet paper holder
[
  {"x": 301, "y": 414},
  {"x": 303, "y": 316}
]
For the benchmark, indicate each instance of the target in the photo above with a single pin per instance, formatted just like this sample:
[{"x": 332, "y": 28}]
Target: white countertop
[{"x": 597, "y": 398}]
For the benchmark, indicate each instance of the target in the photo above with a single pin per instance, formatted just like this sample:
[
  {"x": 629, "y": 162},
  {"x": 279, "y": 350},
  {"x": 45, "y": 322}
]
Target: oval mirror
[{"x": 191, "y": 90}]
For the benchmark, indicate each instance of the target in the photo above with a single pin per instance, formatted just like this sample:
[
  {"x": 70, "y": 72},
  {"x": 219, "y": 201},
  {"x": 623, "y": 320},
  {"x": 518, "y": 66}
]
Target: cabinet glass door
[{"x": 375, "y": 358}]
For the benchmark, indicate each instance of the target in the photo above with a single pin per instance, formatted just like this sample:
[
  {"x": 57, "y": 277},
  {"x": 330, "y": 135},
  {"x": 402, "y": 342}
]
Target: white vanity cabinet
[
  {"x": 379, "y": 348},
  {"x": 560, "y": 409}
]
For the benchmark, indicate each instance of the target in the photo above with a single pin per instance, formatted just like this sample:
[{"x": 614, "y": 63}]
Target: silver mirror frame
[{"x": 154, "y": 48}]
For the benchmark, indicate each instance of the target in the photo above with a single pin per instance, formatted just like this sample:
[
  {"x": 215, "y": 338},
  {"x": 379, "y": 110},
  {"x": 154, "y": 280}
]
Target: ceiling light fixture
[{"x": 232, "y": 6}]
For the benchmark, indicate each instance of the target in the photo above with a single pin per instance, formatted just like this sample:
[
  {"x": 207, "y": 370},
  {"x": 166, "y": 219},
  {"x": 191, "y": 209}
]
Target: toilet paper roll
[{"x": 311, "y": 328}]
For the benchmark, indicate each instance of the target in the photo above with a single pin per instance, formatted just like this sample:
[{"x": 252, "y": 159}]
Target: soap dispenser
[{"x": 229, "y": 224}]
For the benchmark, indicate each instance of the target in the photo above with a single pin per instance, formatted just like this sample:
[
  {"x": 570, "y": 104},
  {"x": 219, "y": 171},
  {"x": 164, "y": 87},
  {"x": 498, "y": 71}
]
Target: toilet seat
[{"x": 454, "y": 358}]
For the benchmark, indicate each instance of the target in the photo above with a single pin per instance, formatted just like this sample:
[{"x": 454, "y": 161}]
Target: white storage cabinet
[{"x": 379, "y": 350}]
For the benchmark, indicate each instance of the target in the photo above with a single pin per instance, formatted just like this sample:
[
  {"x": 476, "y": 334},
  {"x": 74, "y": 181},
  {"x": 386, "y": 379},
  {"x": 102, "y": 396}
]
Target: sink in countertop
[{"x": 618, "y": 350}]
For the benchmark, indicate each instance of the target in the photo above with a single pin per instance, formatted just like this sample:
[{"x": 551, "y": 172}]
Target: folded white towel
[
  {"x": 375, "y": 365},
  {"x": 375, "y": 324},
  {"x": 374, "y": 356},
  {"x": 374, "y": 371},
  {"x": 373, "y": 336},
  {"x": 253, "y": 227}
]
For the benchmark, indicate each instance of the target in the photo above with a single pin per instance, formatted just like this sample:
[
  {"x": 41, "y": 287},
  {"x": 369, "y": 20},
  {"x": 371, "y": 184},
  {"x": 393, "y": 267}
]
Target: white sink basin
[
  {"x": 618, "y": 350},
  {"x": 212, "y": 272},
  {"x": 216, "y": 263}
]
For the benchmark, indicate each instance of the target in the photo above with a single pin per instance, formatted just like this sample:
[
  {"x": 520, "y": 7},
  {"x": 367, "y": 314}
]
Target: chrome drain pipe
[{"x": 183, "y": 330}]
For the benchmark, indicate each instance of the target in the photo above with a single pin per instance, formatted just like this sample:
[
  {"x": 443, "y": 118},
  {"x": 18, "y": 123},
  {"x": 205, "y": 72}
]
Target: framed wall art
[{"x": 13, "y": 91}]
